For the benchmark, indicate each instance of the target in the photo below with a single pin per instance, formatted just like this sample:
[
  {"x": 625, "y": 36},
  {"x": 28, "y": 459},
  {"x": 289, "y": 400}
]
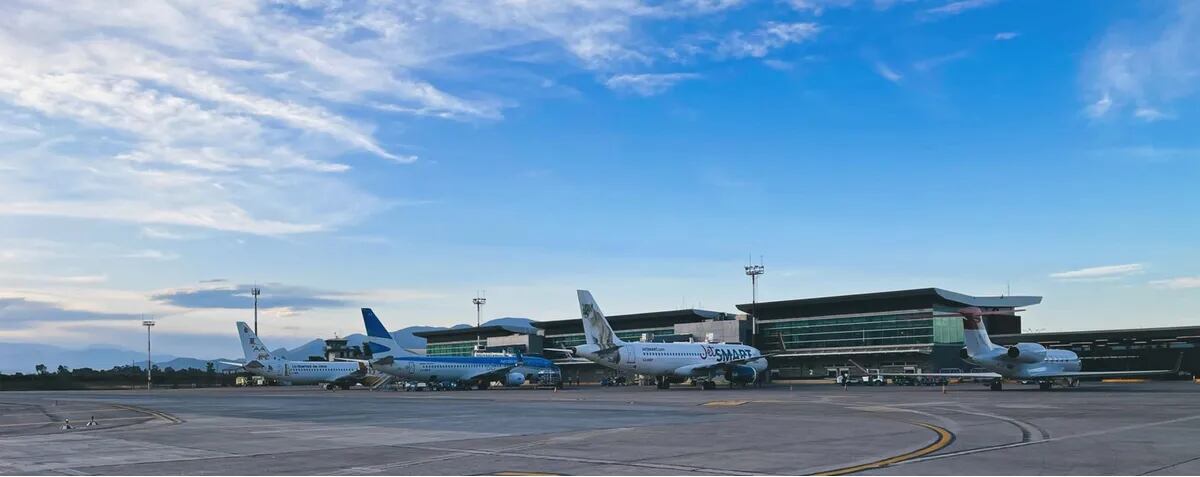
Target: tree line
[{"x": 118, "y": 377}]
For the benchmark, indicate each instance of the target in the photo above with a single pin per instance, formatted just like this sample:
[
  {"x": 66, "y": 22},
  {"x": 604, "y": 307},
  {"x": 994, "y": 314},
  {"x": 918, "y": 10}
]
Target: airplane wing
[
  {"x": 693, "y": 369},
  {"x": 491, "y": 374},
  {"x": 1107, "y": 374},
  {"x": 943, "y": 375},
  {"x": 352, "y": 360},
  {"x": 1116, "y": 374},
  {"x": 233, "y": 363}
]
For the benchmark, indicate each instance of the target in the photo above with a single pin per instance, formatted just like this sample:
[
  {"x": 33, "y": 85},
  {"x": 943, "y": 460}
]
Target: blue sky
[{"x": 160, "y": 157}]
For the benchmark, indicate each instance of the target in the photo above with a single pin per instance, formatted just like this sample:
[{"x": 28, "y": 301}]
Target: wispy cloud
[
  {"x": 937, "y": 61},
  {"x": 1142, "y": 68},
  {"x": 17, "y": 310},
  {"x": 274, "y": 295},
  {"x": 1100, "y": 107},
  {"x": 817, "y": 7},
  {"x": 57, "y": 279},
  {"x": 162, "y": 234},
  {"x": 1151, "y": 115},
  {"x": 1107, "y": 272},
  {"x": 1149, "y": 153},
  {"x": 1177, "y": 283},
  {"x": 1006, "y": 35},
  {"x": 771, "y": 36},
  {"x": 649, "y": 84},
  {"x": 151, "y": 254},
  {"x": 887, "y": 72},
  {"x": 956, "y": 8}
]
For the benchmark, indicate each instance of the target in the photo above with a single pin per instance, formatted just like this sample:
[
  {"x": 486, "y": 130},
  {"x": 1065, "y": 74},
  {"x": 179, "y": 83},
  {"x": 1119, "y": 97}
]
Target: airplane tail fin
[
  {"x": 975, "y": 335},
  {"x": 595, "y": 327},
  {"x": 379, "y": 340},
  {"x": 252, "y": 347}
]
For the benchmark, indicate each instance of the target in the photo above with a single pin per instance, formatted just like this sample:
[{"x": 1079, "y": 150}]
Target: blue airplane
[{"x": 479, "y": 371}]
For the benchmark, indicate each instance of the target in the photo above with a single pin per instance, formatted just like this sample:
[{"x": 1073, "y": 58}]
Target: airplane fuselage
[
  {"x": 1056, "y": 361},
  {"x": 664, "y": 359},
  {"x": 304, "y": 372},
  {"x": 459, "y": 368}
]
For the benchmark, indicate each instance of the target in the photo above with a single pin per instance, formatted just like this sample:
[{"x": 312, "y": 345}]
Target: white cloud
[
  {"x": 817, "y": 7},
  {"x": 771, "y": 36},
  {"x": 1006, "y": 35},
  {"x": 1100, "y": 107},
  {"x": 955, "y": 8},
  {"x": 778, "y": 64},
  {"x": 151, "y": 254},
  {"x": 162, "y": 234},
  {"x": 887, "y": 73},
  {"x": 647, "y": 84},
  {"x": 1140, "y": 68},
  {"x": 1178, "y": 283},
  {"x": 1107, "y": 272},
  {"x": 56, "y": 279},
  {"x": 1151, "y": 115}
]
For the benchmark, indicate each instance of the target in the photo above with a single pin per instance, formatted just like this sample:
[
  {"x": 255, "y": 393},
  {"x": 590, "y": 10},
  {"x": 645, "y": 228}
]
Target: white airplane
[
  {"x": 260, "y": 361},
  {"x": 479, "y": 371},
  {"x": 667, "y": 362},
  {"x": 1022, "y": 361}
]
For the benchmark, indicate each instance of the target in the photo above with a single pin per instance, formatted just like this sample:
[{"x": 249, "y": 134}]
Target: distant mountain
[
  {"x": 514, "y": 322},
  {"x": 185, "y": 363},
  {"x": 23, "y": 357}
]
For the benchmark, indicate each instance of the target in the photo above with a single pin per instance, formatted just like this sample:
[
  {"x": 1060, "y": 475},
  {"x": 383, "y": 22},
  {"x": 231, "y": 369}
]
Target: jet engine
[
  {"x": 514, "y": 379},
  {"x": 741, "y": 374},
  {"x": 1027, "y": 352}
]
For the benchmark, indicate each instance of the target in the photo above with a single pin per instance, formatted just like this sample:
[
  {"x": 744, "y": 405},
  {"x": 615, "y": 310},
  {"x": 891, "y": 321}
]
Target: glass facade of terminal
[
  {"x": 454, "y": 348},
  {"x": 859, "y": 331}
]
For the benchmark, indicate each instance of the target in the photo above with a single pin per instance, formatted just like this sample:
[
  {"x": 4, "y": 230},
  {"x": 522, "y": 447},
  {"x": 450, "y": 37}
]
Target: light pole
[
  {"x": 478, "y": 301},
  {"x": 149, "y": 365},
  {"x": 255, "y": 291},
  {"x": 753, "y": 271}
]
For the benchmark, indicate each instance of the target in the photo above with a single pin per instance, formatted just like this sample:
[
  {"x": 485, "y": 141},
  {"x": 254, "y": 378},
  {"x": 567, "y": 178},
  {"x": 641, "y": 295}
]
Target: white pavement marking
[
  {"x": 1110, "y": 430},
  {"x": 106, "y": 419}
]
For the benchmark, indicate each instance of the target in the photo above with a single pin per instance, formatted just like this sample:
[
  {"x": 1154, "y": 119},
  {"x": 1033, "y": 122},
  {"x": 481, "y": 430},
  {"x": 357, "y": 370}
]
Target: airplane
[
  {"x": 479, "y": 371},
  {"x": 261, "y": 362},
  {"x": 667, "y": 362},
  {"x": 1022, "y": 361}
]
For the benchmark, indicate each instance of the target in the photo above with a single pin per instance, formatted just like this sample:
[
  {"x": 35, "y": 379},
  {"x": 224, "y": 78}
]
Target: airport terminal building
[{"x": 903, "y": 330}]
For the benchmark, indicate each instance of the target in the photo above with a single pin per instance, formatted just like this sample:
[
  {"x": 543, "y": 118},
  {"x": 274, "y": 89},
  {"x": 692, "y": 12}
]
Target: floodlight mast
[
  {"x": 256, "y": 291},
  {"x": 753, "y": 271},
  {"x": 149, "y": 364},
  {"x": 478, "y": 301}
]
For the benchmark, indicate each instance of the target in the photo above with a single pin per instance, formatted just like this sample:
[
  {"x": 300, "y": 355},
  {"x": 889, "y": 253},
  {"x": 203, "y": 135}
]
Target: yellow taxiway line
[{"x": 944, "y": 439}]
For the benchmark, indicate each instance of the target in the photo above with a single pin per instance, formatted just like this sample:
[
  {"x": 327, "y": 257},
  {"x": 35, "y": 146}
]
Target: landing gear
[
  {"x": 996, "y": 386},
  {"x": 484, "y": 385},
  {"x": 663, "y": 382},
  {"x": 1044, "y": 385},
  {"x": 708, "y": 385},
  {"x": 331, "y": 387},
  {"x": 1072, "y": 382}
]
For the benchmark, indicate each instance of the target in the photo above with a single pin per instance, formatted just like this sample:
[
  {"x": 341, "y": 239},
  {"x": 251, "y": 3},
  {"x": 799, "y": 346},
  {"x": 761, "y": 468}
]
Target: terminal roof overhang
[
  {"x": 658, "y": 319},
  {"x": 915, "y": 299}
]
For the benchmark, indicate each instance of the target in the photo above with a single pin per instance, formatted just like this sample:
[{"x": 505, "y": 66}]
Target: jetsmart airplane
[
  {"x": 1022, "y": 361},
  {"x": 261, "y": 362},
  {"x": 478, "y": 371},
  {"x": 701, "y": 362}
]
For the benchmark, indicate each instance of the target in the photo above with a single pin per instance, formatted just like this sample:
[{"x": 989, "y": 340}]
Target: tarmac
[{"x": 1097, "y": 429}]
